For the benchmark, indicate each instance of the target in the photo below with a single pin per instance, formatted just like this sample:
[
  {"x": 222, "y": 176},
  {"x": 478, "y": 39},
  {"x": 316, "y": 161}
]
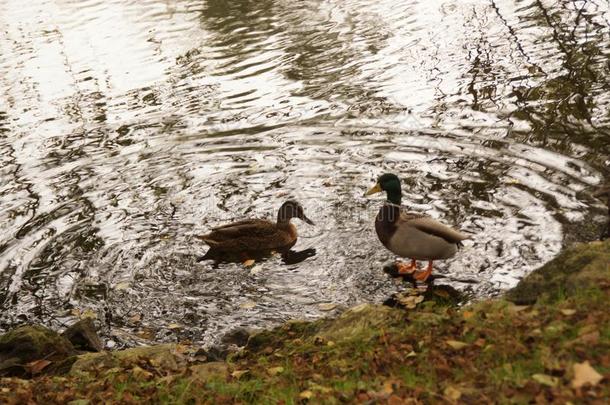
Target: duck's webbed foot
[
  {"x": 423, "y": 275},
  {"x": 406, "y": 268}
]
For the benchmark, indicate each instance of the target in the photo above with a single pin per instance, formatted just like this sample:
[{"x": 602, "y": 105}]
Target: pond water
[{"x": 128, "y": 127}]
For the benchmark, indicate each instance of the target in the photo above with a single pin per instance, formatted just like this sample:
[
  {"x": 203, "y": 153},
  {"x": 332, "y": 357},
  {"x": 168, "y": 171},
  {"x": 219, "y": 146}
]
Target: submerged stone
[
  {"x": 238, "y": 337},
  {"x": 440, "y": 294},
  {"x": 212, "y": 354}
]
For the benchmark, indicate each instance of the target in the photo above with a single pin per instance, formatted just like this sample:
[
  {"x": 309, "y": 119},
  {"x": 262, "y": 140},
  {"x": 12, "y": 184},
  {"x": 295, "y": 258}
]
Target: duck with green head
[{"x": 413, "y": 235}]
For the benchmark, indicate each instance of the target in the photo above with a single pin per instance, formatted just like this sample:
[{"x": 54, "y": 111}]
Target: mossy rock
[
  {"x": 30, "y": 343},
  {"x": 166, "y": 357},
  {"x": 580, "y": 267},
  {"x": 358, "y": 322}
]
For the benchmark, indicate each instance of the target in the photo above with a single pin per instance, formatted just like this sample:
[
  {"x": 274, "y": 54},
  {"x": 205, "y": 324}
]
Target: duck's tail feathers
[
  {"x": 209, "y": 255},
  {"x": 211, "y": 242}
]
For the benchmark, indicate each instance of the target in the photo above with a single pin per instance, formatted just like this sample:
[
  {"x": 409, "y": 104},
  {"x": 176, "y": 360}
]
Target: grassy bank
[{"x": 552, "y": 345}]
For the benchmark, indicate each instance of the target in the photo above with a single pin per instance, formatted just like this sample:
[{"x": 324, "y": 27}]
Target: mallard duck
[
  {"x": 412, "y": 235},
  {"x": 248, "y": 237}
]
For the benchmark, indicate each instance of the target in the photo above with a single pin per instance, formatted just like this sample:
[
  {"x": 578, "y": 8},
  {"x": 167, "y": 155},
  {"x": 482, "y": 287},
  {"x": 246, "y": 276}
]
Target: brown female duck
[
  {"x": 412, "y": 235},
  {"x": 250, "y": 236}
]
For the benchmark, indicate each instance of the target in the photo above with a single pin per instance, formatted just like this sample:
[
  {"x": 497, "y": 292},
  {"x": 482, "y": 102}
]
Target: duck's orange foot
[
  {"x": 406, "y": 268},
  {"x": 423, "y": 275}
]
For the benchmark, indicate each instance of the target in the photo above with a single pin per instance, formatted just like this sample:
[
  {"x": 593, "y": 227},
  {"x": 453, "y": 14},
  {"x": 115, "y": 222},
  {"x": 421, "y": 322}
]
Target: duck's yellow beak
[{"x": 375, "y": 189}]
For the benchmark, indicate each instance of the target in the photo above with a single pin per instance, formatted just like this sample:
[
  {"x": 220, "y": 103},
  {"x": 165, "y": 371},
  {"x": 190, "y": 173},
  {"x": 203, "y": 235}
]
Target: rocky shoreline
[{"x": 546, "y": 340}]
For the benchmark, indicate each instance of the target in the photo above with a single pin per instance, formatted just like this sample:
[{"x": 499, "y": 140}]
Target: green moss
[
  {"x": 574, "y": 271},
  {"x": 167, "y": 356},
  {"x": 515, "y": 374},
  {"x": 28, "y": 343}
]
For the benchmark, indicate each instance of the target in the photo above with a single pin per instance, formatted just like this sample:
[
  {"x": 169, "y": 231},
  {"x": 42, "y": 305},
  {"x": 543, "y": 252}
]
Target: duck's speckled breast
[{"x": 288, "y": 236}]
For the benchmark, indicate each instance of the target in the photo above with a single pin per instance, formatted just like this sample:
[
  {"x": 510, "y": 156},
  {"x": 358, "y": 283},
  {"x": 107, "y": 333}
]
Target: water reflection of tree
[
  {"x": 566, "y": 107},
  {"x": 568, "y": 101},
  {"x": 48, "y": 214},
  {"x": 323, "y": 58},
  {"x": 239, "y": 23}
]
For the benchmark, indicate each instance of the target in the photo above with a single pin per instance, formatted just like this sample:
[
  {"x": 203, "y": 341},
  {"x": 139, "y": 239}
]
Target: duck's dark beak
[
  {"x": 309, "y": 221},
  {"x": 375, "y": 189}
]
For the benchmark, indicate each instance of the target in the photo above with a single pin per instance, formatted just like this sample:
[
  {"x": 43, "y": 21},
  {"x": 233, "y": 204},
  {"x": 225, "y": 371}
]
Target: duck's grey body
[{"x": 415, "y": 236}]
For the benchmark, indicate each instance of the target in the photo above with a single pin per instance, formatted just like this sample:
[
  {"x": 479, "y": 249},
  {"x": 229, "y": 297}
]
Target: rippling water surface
[{"x": 129, "y": 127}]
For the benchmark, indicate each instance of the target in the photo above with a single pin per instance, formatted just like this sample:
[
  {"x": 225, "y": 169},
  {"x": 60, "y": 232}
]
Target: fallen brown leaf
[
  {"x": 327, "y": 306},
  {"x": 546, "y": 379},
  {"x": 306, "y": 394},
  {"x": 517, "y": 308},
  {"x": 141, "y": 374},
  {"x": 409, "y": 301},
  {"x": 319, "y": 388},
  {"x": 275, "y": 370},
  {"x": 480, "y": 342},
  {"x": 146, "y": 334},
  {"x": 36, "y": 366},
  {"x": 135, "y": 318},
  {"x": 590, "y": 338},
  {"x": 238, "y": 373},
  {"x": 456, "y": 344},
  {"x": 585, "y": 374},
  {"x": 396, "y": 400},
  {"x": 89, "y": 313},
  {"x": 452, "y": 393},
  {"x": 388, "y": 388},
  {"x": 467, "y": 314},
  {"x": 247, "y": 305}
]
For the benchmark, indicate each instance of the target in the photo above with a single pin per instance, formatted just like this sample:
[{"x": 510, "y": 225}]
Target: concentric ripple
[{"x": 129, "y": 127}]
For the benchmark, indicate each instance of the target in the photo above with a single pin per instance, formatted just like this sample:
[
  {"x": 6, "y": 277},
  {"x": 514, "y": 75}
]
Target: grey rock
[{"x": 84, "y": 336}]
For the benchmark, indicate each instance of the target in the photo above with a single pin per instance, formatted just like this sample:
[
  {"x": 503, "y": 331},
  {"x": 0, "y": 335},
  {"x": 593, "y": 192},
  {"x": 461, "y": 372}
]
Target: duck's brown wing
[
  {"x": 409, "y": 216},
  {"x": 243, "y": 223},
  {"x": 430, "y": 226},
  {"x": 247, "y": 235},
  {"x": 250, "y": 228}
]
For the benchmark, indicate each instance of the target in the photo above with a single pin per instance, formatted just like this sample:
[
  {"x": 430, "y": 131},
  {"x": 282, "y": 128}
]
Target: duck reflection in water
[
  {"x": 250, "y": 240},
  {"x": 602, "y": 192}
]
